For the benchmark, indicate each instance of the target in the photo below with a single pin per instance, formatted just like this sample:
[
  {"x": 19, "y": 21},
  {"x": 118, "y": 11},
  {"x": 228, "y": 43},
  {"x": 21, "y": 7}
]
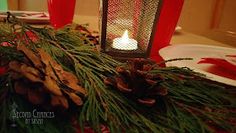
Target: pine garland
[{"x": 192, "y": 104}]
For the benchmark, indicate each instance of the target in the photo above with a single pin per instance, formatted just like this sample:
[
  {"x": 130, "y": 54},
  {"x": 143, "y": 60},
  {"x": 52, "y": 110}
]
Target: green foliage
[{"x": 192, "y": 105}]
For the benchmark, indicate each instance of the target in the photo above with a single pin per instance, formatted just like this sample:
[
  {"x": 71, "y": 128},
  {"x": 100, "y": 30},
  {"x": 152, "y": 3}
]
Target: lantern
[{"x": 127, "y": 27}]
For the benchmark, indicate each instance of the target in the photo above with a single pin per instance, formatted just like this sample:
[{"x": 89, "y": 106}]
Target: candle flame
[
  {"x": 125, "y": 37},
  {"x": 124, "y": 42}
]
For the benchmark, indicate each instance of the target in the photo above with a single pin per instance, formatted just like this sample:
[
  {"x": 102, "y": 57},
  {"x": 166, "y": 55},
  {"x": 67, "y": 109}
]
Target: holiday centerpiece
[{"x": 56, "y": 81}]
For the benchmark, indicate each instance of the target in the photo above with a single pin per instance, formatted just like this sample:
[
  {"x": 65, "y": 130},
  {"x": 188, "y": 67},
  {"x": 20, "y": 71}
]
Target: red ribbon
[
  {"x": 219, "y": 62},
  {"x": 220, "y": 67}
]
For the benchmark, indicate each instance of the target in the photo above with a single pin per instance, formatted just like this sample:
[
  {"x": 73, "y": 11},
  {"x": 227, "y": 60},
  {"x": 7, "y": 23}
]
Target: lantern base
[
  {"x": 125, "y": 59},
  {"x": 123, "y": 55}
]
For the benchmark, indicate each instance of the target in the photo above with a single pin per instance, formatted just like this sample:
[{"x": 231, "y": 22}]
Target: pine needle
[{"x": 192, "y": 105}]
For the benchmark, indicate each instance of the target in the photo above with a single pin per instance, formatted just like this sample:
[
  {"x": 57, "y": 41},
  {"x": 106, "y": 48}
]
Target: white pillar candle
[{"x": 125, "y": 43}]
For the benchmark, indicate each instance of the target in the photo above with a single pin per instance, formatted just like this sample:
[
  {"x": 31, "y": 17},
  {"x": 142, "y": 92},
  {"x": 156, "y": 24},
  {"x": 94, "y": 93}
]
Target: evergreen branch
[{"x": 184, "y": 109}]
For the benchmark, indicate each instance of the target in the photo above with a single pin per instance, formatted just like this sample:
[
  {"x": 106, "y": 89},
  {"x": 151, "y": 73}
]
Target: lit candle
[{"x": 125, "y": 43}]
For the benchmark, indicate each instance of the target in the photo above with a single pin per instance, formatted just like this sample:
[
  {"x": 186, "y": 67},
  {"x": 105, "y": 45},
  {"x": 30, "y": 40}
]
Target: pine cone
[
  {"x": 136, "y": 82},
  {"x": 40, "y": 77}
]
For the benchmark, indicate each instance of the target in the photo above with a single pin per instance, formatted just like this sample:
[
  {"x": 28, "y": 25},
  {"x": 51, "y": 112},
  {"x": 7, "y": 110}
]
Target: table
[
  {"x": 182, "y": 37},
  {"x": 92, "y": 21}
]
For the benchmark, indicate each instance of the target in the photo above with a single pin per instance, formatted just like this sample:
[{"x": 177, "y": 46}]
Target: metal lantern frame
[{"x": 122, "y": 53}]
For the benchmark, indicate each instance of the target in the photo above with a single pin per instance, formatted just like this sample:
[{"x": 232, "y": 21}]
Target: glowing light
[{"x": 125, "y": 43}]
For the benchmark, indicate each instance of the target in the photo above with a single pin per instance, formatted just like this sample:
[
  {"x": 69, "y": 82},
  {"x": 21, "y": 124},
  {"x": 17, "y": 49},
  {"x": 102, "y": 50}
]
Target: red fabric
[
  {"x": 219, "y": 62},
  {"x": 159, "y": 59},
  {"x": 220, "y": 67},
  {"x": 165, "y": 27}
]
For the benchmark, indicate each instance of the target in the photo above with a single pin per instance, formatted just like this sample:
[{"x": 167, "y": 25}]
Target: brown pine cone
[
  {"x": 40, "y": 77},
  {"x": 136, "y": 82}
]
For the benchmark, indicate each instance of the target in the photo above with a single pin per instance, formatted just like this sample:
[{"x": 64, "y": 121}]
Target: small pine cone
[
  {"x": 147, "y": 101},
  {"x": 117, "y": 82},
  {"x": 151, "y": 82},
  {"x": 121, "y": 85},
  {"x": 136, "y": 82},
  {"x": 162, "y": 91},
  {"x": 109, "y": 81},
  {"x": 147, "y": 67},
  {"x": 158, "y": 91}
]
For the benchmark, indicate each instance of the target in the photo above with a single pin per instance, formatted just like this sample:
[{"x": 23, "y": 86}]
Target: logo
[{"x": 29, "y": 117}]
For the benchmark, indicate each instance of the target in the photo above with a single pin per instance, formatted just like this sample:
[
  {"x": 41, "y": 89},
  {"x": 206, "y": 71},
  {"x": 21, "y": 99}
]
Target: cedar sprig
[
  {"x": 195, "y": 104},
  {"x": 190, "y": 106},
  {"x": 82, "y": 60}
]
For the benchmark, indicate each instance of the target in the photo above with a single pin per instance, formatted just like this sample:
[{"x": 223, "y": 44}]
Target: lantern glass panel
[{"x": 136, "y": 16}]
